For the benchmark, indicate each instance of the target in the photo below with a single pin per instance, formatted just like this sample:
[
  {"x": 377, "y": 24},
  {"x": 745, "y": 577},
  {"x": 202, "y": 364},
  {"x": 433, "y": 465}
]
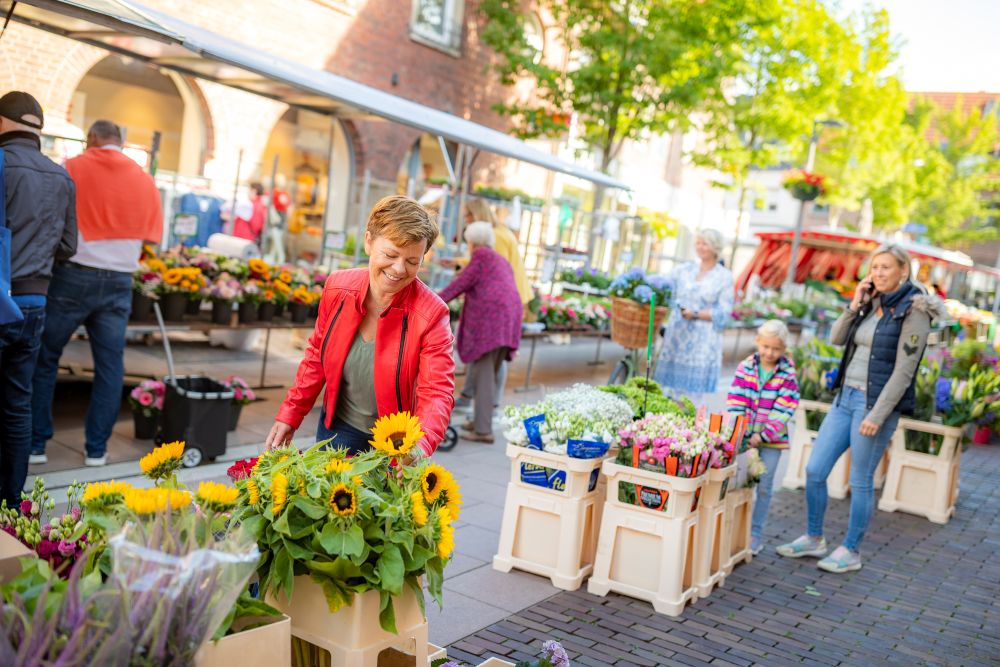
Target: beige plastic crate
[
  {"x": 496, "y": 662},
  {"x": 739, "y": 514},
  {"x": 800, "y": 448},
  {"x": 549, "y": 532},
  {"x": 923, "y": 484},
  {"x": 647, "y": 553},
  {"x": 353, "y": 635},
  {"x": 436, "y": 653},
  {"x": 263, "y": 646},
  {"x": 712, "y": 543}
]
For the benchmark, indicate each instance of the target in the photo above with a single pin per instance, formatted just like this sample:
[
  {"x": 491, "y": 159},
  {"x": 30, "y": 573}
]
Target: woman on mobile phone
[{"x": 884, "y": 332}]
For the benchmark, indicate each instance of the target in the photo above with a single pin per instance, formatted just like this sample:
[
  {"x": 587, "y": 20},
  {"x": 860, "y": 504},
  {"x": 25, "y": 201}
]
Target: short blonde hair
[
  {"x": 403, "y": 221},
  {"x": 896, "y": 252},
  {"x": 481, "y": 233},
  {"x": 480, "y": 210},
  {"x": 712, "y": 239},
  {"x": 774, "y": 329}
]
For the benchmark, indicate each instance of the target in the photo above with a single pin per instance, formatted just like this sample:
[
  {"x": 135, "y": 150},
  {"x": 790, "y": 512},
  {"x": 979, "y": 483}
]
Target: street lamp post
[{"x": 797, "y": 238}]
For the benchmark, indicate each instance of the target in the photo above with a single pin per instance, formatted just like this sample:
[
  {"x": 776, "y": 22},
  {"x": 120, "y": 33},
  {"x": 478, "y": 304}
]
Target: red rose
[{"x": 46, "y": 548}]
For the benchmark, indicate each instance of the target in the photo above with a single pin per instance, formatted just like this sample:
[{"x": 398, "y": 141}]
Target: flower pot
[
  {"x": 550, "y": 516},
  {"x": 145, "y": 427},
  {"x": 279, "y": 309},
  {"x": 142, "y": 307},
  {"x": 261, "y": 646},
  {"x": 922, "y": 483},
  {"x": 173, "y": 305},
  {"x": 193, "y": 306},
  {"x": 222, "y": 312},
  {"x": 981, "y": 436},
  {"x": 247, "y": 313},
  {"x": 314, "y": 310},
  {"x": 234, "y": 415},
  {"x": 299, "y": 312},
  {"x": 265, "y": 313}
]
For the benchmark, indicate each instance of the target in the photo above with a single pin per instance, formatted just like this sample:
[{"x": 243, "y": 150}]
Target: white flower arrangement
[{"x": 580, "y": 412}]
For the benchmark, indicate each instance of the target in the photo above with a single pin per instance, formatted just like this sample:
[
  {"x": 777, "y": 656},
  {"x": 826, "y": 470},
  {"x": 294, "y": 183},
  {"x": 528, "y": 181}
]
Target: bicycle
[{"x": 628, "y": 367}]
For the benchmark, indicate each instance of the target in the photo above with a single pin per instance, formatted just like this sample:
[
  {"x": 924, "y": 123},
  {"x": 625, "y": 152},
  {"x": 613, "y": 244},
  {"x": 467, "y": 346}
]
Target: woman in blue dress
[{"x": 703, "y": 302}]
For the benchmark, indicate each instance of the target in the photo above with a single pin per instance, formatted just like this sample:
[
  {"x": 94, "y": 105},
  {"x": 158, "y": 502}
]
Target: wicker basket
[{"x": 630, "y": 322}]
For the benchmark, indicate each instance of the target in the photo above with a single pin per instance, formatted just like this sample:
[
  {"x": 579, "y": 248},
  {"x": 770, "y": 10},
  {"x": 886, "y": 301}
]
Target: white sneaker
[
  {"x": 95, "y": 461},
  {"x": 37, "y": 459}
]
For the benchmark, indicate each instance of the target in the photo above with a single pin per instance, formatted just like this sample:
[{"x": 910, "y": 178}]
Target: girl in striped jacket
[{"x": 766, "y": 391}]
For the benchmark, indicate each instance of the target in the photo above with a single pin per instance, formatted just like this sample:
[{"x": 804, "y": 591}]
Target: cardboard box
[
  {"x": 11, "y": 550},
  {"x": 264, "y": 646}
]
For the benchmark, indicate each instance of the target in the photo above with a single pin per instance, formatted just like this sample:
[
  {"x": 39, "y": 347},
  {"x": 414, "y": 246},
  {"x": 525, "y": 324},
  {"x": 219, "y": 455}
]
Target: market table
[
  {"x": 203, "y": 323},
  {"x": 533, "y": 336}
]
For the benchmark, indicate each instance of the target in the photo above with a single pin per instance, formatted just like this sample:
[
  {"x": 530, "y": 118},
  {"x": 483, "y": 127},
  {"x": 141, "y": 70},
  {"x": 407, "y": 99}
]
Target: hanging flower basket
[{"x": 804, "y": 186}]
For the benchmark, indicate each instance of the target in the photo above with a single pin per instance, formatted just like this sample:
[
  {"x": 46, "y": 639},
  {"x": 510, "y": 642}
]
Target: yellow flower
[
  {"x": 151, "y": 501},
  {"x": 258, "y": 266},
  {"x": 103, "y": 494},
  {"x": 186, "y": 284},
  {"x": 285, "y": 277},
  {"x": 338, "y": 466},
  {"x": 430, "y": 481},
  {"x": 173, "y": 276},
  {"x": 446, "y": 542},
  {"x": 156, "y": 265},
  {"x": 357, "y": 480},
  {"x": 396, "y": 434},
  {"x": 281, "y": 286},
  {"x": 452, "y": 498},
  {"x": 279, "y": 492},
  {"x": 253, "y": 493},
  {"x": 217, "y": 497},
  {"x": 162, "y": 461},
  {"x": 343, "y": 502},
  {"x": 419, "y": 509}
]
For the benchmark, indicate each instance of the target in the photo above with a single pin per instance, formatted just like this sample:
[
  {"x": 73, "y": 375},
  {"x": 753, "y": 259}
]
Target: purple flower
[
  {"x": 66, "y": 548},
  {"x": 555, "y": 653},
  {"x": 46, "y": 548},
  {"x": 942, "y": 394},
  {"x": 25, "y": 507}
]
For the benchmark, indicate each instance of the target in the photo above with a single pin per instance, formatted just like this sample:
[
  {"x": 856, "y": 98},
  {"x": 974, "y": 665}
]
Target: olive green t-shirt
[{"x": 356, "y": 403}]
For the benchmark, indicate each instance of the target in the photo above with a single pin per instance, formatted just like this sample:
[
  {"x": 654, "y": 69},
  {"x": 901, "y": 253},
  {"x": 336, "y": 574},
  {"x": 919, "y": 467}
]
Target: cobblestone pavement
[{"x": 927, "y": 594}]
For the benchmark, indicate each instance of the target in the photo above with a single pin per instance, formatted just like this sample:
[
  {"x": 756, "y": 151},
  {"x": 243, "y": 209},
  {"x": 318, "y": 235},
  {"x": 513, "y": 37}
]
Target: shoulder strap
[{"x": 3, "y": 190}]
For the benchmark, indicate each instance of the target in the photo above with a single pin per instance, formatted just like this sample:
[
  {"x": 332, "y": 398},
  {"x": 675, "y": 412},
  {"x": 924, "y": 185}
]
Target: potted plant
[
  {"x": 199, "y": 289},
  {"x": 146, "y": 401},
  {"x": 251, "y": 295},
  {"x": 147, "y": 282},
  {"x": 301, "y": 301},
  {"x": 804, "y": 185},
  {"x": 631, "y": 295},
  {"x": 282, "y": 285},
  {"x": 242, "y": 395},
  {"x": 178, "y": 285},
  {"x": 224, "y": 291}
]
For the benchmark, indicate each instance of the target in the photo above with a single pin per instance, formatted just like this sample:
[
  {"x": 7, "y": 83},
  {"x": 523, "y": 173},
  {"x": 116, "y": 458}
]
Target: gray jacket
[{"x": 41, "y": 213}]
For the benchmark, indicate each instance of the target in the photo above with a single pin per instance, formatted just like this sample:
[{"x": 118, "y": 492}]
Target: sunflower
[
  {"x": 285, "y": 277},
  {"x": 253, "y": 493},
  {"x": 259, "y": 267},
  {"x": 343, "y": 502},
  {"x": 279, "y": 492},
  {"x": 338, "y": 466},
  {"x": 162, "y": 461},
  {"x": 216, "y": 497},
  {"x": 419, "y": 508},
  {"x": 396, "y": 434},
  {"x": 186, "y": 284},
  {"x": 452, "y": 498},
  {"x": 281, "y": 287},
  {"x": 104, "y": 494},
  {"x": 173, "y": 276},
  {"x": 446, "y": 542},
  {"x": 151, "y": 501},
  {"x": 157, "y": 265},
  {"x": 431, "y": 481},
  {"x": 268, "y": 295}
]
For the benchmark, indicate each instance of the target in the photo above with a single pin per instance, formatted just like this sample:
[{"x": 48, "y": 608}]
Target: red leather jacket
[{"x": 414, "y": 370}]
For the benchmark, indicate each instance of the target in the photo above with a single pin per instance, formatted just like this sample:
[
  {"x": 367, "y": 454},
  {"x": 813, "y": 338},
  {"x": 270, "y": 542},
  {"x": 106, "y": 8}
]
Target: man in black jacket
[{"x": 41, "y": 215}]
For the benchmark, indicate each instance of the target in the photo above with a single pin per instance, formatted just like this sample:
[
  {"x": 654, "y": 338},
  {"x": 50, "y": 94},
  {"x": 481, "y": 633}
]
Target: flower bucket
[
  {"x": 222, "y": 312},
  {"x": 919, "y": 483},
  {"x": 712, "y": 545},
  {"x": 262, "y": 646},
  {"x": 247, "y": 313},
  {"x": 630, "y": 322},
  {"x": 279, "y": 309},
  {"x": 353, "y": 635},
  {"x": 299, "y": 312},
  {"x": 646, "y": 548},
  {"x": 174, "y": 306},
  {"x": 193, "y": 306},
  {"x": 142, "y": 307},
  {"x": 145, "y": 426},
  {"x": 550, "y": 515},
  {"x": 234, "y": 415},
  {"x": 265, "y": 312},
  {"x": 982, "y": 435}
]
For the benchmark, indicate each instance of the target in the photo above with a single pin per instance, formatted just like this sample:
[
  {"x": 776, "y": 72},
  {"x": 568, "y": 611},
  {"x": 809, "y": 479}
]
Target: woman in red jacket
[{"x": 382, "y": 342}]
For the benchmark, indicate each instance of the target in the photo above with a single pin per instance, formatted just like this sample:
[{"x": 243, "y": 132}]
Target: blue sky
[{"x": 947, "y": 45}]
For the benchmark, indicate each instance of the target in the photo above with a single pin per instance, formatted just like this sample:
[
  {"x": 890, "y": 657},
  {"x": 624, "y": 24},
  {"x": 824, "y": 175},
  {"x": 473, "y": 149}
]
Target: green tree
[{"x": 635, "y": 66}]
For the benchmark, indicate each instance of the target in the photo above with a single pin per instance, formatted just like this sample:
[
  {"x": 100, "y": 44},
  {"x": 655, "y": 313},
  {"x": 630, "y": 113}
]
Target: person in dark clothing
[{"x": 41, "y": 215}]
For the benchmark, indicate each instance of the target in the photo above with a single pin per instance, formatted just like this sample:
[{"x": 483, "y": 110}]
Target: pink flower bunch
[
  {"x": 147, "y": 398},
  {"x": 58, "y": 539},
  {"x": 242, "y": 393},
  {"x": 660, "y": 437},
  {"x": 225, "y": 288}
]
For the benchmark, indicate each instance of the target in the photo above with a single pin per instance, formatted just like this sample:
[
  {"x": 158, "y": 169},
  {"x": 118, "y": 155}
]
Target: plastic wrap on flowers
[{"x": 180, "y": 587}]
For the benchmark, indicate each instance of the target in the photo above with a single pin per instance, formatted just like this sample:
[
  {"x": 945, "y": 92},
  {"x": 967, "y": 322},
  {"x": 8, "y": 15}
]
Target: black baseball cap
[{"x": 21, "y": 107}]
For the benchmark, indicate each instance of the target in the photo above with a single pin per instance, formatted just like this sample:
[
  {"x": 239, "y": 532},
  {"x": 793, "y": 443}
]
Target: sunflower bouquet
[{"x": 352, "y": 524}]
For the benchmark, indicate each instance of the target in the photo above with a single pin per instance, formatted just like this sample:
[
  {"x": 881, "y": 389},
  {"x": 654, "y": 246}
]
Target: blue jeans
[
  {"x": 101, "y": 301},
  {"x": 839, "y": 433},
  {"x": 19, "y": 343},
  {"x": 344, "y": 435},
  {"x": 770, "y": 456}
]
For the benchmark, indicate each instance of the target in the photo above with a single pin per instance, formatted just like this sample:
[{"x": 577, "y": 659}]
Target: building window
[{"x": 438, "y": 23}]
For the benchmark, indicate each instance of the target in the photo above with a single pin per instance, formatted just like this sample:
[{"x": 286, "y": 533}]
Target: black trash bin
[{"x": 196, "y": 410}]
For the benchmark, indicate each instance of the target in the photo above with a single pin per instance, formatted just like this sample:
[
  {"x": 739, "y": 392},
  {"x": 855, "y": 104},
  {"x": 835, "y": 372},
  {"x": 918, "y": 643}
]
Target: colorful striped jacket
[{"x": 769, "y": 408}]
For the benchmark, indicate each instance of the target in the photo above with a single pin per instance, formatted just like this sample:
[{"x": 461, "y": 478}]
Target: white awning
[{"x": 166, "y": 41}]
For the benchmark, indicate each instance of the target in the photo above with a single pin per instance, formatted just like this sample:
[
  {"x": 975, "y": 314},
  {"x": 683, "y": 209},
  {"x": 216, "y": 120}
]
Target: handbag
[{"x": 9, "y": 312}]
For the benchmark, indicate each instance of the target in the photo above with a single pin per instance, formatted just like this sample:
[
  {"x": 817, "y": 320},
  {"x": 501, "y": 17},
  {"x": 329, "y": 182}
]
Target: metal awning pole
[{"x": 362, "y": 215}]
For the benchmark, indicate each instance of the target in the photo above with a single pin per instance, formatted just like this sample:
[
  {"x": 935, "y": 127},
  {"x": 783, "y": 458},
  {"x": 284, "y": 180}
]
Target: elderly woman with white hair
[
  {"x": 703, "y": 297},
  {"x": 489, "y": 330}
]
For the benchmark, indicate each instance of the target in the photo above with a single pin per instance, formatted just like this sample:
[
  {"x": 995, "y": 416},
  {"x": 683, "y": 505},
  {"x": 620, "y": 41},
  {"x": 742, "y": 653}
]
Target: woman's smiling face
[
  {"x": 392, "y": 267},
  {"x": 887, "y": 273}
]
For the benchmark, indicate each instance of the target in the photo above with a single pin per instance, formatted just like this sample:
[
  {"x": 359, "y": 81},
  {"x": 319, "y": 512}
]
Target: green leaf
[
  {"x": 254, "y": 524},
  {"x": 812, "y": 591},
  {"x": 297, "y": 551},
  {"x": 414, "y": 584},
  {"x": 386, "y": 614},
  {"x": 415, "y": 560},
  {"x": 339, "y": 542},
  {"x": 283, "y": 572},
  {"x": 341, "y": 568},
  {"x": 390, "y": 569},
  {"x": 310, "y": 507},
  {"x": 281, "y": 524},
  {"x": 403, "y": 538},
  {"x": 435, "y": 579},
  {"x": 337, "y": 595}
]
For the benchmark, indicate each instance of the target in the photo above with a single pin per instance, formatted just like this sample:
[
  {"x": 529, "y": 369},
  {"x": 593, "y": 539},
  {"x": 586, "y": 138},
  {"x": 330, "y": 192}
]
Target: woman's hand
[
  {"x": 281, "y": 434},
  {"x": 863, "y": 293},
  {"x": 414, "y": 457},
  {"x": 868, "y": 428}
]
